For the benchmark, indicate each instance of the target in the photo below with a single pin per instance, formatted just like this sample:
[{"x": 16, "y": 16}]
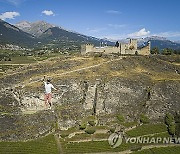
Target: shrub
[
  {"x": 172, "y": 129},
  {"x": 97, "y": 55},
  {"x": 90, "y": 131},
  {"x": 169, "y": 119},
  {"x": 112, "y": 130},
  {"x": 63, "y": 135},
  {"x": 144, "y": 119},
  {"x": 82, "y": 126},
  {"x": 170, "y": 122},
  {"x": 92, "y": 123},
  {"x": 120, "y": 118}
]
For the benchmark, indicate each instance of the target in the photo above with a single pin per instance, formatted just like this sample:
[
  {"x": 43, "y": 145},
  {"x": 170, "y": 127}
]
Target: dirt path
[
  {"x": 13, "y": 64},
  {"x": 76, "y": 70},
  {"x": 88, "y": 67}
]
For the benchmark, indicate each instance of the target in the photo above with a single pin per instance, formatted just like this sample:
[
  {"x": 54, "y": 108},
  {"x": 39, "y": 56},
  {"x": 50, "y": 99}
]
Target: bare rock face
[
  {"x": 24, "y": 117},
  {"x": 35, "y": 28}
]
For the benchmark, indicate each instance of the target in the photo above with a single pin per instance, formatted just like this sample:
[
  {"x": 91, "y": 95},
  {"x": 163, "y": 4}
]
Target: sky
[{"x": 112, "y": 19}]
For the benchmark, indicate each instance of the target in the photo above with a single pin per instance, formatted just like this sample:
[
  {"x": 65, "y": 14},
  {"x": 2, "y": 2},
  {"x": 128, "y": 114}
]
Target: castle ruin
[{"x": 130, "y": 48}]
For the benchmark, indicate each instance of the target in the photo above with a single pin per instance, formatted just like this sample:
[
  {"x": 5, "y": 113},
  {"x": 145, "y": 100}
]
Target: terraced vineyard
[
  {"x": 147, "y": 129},
  {"x": 45, "y": 145},
  {"x": 163, "y": 150}
]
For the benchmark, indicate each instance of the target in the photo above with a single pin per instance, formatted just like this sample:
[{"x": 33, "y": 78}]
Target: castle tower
[
  {"x": 85, "y": 48},
  {"x": 133, "y": 44}
]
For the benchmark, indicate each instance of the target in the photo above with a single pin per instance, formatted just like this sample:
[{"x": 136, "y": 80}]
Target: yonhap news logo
[{"x": 115, "y": 140}]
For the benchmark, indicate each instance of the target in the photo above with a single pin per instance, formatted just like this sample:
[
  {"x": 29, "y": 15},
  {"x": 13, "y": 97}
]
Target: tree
[
  {"x": 136, "y": 53},
  {"x": 172, "y": 129},
  {"x": 155, "y": 50},
  {"x": 167, "y": 51},
  {"x": 169, "y": 119},
  {"x": 170, "y": 122},
  {"x": 117, "y": 44}
]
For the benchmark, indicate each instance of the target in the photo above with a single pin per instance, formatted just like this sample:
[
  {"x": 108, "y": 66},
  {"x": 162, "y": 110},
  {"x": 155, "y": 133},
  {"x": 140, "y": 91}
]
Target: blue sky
[{"x": 115, "y": 19}]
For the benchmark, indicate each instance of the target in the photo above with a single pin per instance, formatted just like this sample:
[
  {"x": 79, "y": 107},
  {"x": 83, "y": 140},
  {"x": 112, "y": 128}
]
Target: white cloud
[
  {"x": 9, "y": 15},
  {"x": 48, "y": 13},
  {"x": 116, "y": 26},
  {"x": 113, "y": 12},
  {"x": 140, "y": 33},
  {"x": 168, "y": 34}
]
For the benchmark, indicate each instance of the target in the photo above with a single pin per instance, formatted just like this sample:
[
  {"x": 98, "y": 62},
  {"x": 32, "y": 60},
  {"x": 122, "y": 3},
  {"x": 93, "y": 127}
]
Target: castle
[{"x": 122, "y": 48}]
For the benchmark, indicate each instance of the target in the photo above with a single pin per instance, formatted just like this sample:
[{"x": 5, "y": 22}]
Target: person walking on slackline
[{"x": 48, "y": 92}]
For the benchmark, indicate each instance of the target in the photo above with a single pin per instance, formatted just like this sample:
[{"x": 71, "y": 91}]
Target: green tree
[
  {"x": 169, "y": 119},
  {"x": 170, "y": 122},
  {"x": 155, "y": 50},
  {"x": 117, "y": 44},
  {"x": 167, "y": 51},
  {"x": 172, "y": 129}
]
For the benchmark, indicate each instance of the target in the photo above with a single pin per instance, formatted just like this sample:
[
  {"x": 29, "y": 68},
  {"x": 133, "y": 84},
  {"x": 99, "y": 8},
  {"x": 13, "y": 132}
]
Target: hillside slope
[
  {"x": 104, "y": 87},
  {"x": 62, "y": 38}
]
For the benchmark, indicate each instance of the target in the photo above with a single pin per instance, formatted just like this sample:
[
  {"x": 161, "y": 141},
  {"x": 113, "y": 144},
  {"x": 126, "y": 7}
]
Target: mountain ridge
[
  {"x": 13, "y": 35},
  {"x": 34, "y": 28},
  {"x": 42, "y": 33}
]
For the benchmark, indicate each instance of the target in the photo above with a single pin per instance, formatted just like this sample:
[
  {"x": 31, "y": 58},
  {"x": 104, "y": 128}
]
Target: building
[{"x": 130, "y": 48}]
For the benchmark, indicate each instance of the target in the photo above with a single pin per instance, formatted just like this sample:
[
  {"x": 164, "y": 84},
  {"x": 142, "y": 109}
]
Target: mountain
[
  {"x": 13, "y": 35},
  {"x": 53, "y": 36},
  {"x": 62, "y": 38},
  {"x": 177, "y": 41},
  {"x": 34, "y": 28},
  {"x": 44, "y": 34},
  {"x": 161, "y": 42}
]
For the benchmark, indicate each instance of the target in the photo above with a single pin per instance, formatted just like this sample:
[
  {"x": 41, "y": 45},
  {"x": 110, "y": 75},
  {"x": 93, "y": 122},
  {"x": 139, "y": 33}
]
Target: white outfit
[{"x": 48, "y": 87}]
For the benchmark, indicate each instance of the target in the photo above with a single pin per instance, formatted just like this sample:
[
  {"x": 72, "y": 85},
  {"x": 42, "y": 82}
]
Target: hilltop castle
[{"x": 122, "y": 48}]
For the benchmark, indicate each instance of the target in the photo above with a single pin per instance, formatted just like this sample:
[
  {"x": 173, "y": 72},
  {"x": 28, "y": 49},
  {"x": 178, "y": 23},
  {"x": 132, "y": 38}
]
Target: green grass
[
  {"x": 95, "y": 147},
  {"x": 129, "y": 124},
  {"x": 147, "y": 129},
  {"x": 163, "y": 150},
  {"x": 92, "y": 146},
  {"x": 163, "y": 134},
  {"x": 45, "y": 145}
]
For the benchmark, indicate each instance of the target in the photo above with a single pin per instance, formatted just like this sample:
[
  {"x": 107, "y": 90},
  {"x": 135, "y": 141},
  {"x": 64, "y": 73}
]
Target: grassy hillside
[{"x": 45, "y": 145}]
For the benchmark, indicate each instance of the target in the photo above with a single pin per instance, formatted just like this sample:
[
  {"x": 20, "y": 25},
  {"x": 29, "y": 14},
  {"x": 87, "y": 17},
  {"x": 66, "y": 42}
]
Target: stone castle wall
[{"x": 124, "y": 49}]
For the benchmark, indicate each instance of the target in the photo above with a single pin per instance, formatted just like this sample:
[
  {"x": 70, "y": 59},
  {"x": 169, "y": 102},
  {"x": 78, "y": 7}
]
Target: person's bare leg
[
  {"x": 46, "y": 101},
  {"x": 49, "y": 101}
]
